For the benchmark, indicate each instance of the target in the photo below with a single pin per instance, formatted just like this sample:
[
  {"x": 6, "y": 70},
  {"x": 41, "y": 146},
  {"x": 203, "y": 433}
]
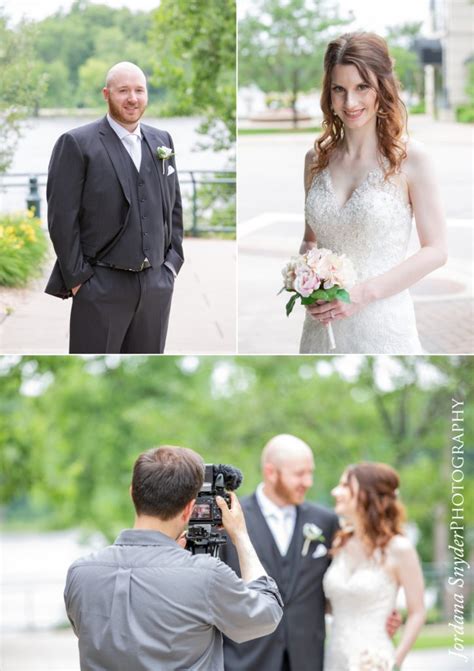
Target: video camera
[{"x": 204, "y": 535}]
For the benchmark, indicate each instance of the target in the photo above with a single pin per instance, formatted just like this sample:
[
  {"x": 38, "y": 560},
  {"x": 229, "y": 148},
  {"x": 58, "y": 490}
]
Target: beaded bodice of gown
[
  {"x": 362, "y": 598},
  {"x": 373, "y": 229}
]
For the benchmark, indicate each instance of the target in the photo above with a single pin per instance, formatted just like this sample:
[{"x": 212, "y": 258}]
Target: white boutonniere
[
  {"x": 164, "y": 153},
  {"x": 311, "y": 532}
]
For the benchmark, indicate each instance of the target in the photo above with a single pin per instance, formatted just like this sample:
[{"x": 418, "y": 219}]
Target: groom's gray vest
[
  {"x": 301, "y": 631},
  {"x": 143, "y": 234}
]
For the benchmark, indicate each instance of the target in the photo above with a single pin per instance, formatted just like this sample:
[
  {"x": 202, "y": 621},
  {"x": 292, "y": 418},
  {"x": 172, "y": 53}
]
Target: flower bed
[{"x": 23, "y": 248}]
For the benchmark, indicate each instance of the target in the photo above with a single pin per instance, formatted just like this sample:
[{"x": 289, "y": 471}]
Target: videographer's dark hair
[{"x": 165, "y": 479}]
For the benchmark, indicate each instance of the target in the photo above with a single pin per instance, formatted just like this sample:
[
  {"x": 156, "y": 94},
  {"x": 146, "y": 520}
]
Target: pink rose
[{"x": 306, "y": 282}]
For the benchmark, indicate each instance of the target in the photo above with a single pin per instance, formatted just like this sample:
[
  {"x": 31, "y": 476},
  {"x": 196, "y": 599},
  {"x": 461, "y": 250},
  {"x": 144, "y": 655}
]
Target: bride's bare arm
[
  {"x": 309, "y": 238},
  {"x": 409, "y": 575},
  {"x": 430, "y": 224}
]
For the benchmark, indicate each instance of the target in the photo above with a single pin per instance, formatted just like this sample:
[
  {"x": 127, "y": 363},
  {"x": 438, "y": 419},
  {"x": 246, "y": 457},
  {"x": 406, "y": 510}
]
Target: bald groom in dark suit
[
  {"x": 277, "y": 517},
  {"x": 115, "y": 219}
]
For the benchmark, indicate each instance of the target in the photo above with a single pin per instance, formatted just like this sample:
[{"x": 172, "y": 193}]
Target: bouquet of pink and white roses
[{"x": 318, "y": 275}]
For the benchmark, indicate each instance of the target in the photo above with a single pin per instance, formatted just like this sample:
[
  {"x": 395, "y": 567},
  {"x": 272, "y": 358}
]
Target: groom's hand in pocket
[
  {"x": 393, "y": 623},
  {"x": 74, "y": 290}
]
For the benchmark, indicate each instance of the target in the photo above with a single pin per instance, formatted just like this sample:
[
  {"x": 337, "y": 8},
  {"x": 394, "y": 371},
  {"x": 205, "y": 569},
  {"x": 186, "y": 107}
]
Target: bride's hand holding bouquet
[
  {"x": 326, "y": 312},
  {"x": 320, "y": 279}
]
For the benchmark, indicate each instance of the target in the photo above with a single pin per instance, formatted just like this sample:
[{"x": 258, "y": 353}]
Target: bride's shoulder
[
  {"x": 309, "y": 161},
  {"x": 311, "y": 157},
  {"x": 399, "y": 546},
  {"x": 417, "y": 160}
]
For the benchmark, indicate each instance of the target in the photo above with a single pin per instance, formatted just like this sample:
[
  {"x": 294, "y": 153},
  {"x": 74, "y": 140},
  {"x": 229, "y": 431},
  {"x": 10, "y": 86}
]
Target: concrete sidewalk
[
  {"x": 203, "y": 313},
  {"x": 270, "y": 229},
  {"x": 57, "y": 651}
]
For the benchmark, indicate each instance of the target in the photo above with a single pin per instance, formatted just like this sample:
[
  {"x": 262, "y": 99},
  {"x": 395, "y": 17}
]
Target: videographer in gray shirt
[{"x": 147, "y": 604}]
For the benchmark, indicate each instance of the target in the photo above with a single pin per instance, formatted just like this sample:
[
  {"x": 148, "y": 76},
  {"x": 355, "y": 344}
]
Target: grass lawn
[
  {"x": 270, "y": 131},
  {"x": 441, "y": 636}
]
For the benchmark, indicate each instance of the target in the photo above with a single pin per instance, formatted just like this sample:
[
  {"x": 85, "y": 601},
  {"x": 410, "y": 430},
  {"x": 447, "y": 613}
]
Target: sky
[
  {"x": 37, "y": 10},
  {"x": 370, "y": 15},
  {"x": 392, "y": 13}
]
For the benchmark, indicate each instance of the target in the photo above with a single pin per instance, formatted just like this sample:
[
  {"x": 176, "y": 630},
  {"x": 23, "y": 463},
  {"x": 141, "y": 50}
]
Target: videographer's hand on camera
[
  {"x": 233, "y": 519},
  {"x": 181, "y": 540}
]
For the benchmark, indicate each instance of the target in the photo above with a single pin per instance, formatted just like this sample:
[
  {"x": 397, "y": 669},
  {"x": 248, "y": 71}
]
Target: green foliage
[
  {"x": 87, "y": 41},
  {"x": 465, "y": 113},
  {"x": 215, "y": 203},
  {"x": 58, "y": 91},
  {"x": 21, "y": 86},
  {"x": 418, "y": 109},
  {"x": 281, "y": 46},
  {"x": 194, "y": 43},
  {"x": 91, "y": 82},
  {"x": 401, "y": 39},
  {"x": 470, "y": 82},
  {"x": 23, "y": 247},
  {"x": 72, "y": 427}
]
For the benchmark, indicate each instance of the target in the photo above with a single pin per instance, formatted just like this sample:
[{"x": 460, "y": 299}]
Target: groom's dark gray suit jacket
[
  {"x": 90, "y": 205},
  {"x": 301, "y": 631}
]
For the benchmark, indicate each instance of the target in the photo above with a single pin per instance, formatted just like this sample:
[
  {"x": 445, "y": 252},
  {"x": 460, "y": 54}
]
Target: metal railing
[{"x": 208, "y": 198}]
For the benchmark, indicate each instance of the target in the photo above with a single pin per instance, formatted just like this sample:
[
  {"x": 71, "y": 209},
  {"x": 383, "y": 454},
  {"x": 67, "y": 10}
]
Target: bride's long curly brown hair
[
  {"x": 369, "y": 54},
  {"x": 380, "y": 511}
]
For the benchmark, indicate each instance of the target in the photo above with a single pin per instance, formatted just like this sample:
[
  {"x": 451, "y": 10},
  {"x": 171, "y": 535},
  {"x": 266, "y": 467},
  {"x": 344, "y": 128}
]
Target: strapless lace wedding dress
[
  {"x": 361, "y": 599},
  {"x": 373, "y": 229}
]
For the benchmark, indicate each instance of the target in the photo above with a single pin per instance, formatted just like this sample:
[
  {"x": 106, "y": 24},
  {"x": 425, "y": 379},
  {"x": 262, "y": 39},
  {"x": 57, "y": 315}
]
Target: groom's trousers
[{"x": 122, "y": 312}]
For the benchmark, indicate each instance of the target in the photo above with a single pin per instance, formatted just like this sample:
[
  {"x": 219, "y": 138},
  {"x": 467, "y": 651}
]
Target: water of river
[
  {"x": 33, "y": 575},
  {"x": 39, "y": 135}
]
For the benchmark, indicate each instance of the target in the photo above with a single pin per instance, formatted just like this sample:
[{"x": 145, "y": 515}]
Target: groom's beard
[
  {"x": 291, "y": 496},
  {"x": 115, "y": 111}
]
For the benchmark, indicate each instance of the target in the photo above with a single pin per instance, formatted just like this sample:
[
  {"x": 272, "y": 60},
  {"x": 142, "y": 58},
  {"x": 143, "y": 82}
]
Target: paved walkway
[
  {"x": 203, "y": 312},
  {"x": 270, "y": 206},
  {"x": 57, "y": 651}
]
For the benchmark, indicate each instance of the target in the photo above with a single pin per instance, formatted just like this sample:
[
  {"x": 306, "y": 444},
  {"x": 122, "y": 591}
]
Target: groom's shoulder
[
  {"x": 160, "y": 132},
  {"x": 86, "y": 130},
  {"x": 318, "y": 512}
]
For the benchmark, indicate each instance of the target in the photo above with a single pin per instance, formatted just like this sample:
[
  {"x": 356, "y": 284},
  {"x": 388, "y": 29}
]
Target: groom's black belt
[{"x": 146, "y": 264}]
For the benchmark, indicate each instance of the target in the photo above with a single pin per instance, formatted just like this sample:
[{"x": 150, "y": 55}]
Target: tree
[
  {"x": 58, "y": 91},
  {"x": 281, "y": 45},
  {"x": 21, "y": 86},
  {"x": 71, "y": 427},
  {"x": 401, "y": 40},
  {"x": 86, "y": 42},
  {"x": 194, "y": 42},
  {"x": 91, "y": 82}
]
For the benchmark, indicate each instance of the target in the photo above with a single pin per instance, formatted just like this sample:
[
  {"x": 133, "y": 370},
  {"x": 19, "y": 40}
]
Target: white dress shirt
[
  {"x": 280, "y": 519},
  {"x": 131, "y": 141}
]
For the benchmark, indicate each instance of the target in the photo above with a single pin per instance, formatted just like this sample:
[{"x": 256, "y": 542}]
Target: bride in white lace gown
[
  {"x": 364, "y": 181},
  {"x": 372, "y": 560}
]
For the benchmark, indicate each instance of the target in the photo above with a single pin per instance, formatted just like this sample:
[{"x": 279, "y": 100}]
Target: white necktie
[
  {"x": 283, "y": 531},
  {"x": 133, "y": 145}
]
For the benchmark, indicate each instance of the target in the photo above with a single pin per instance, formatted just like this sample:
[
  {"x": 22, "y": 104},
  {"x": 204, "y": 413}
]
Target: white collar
[
  {"x": 269, "y": 508},
  {"x": 121, "y": 131}
]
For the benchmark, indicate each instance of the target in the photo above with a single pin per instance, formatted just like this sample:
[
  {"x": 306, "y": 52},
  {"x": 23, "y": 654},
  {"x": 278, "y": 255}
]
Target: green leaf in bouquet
[
  {"x": 332, "y": 292},
  {"x": 318, "y": 295},
  {"x": 291, "y": 304},
  {"x": 283, "y": 289},
  {"x": 343, "y": 295}
]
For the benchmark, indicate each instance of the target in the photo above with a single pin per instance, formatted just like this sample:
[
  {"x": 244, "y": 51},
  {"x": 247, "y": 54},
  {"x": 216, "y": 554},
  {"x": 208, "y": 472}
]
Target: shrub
[
  {"x": 419, "y": 108},
  {"x": 23, "y": 247},
  {"x": 465, "y": 114}
]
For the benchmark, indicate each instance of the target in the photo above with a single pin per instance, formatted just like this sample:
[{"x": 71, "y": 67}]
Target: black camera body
[{"x": 204, "y": 534}]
